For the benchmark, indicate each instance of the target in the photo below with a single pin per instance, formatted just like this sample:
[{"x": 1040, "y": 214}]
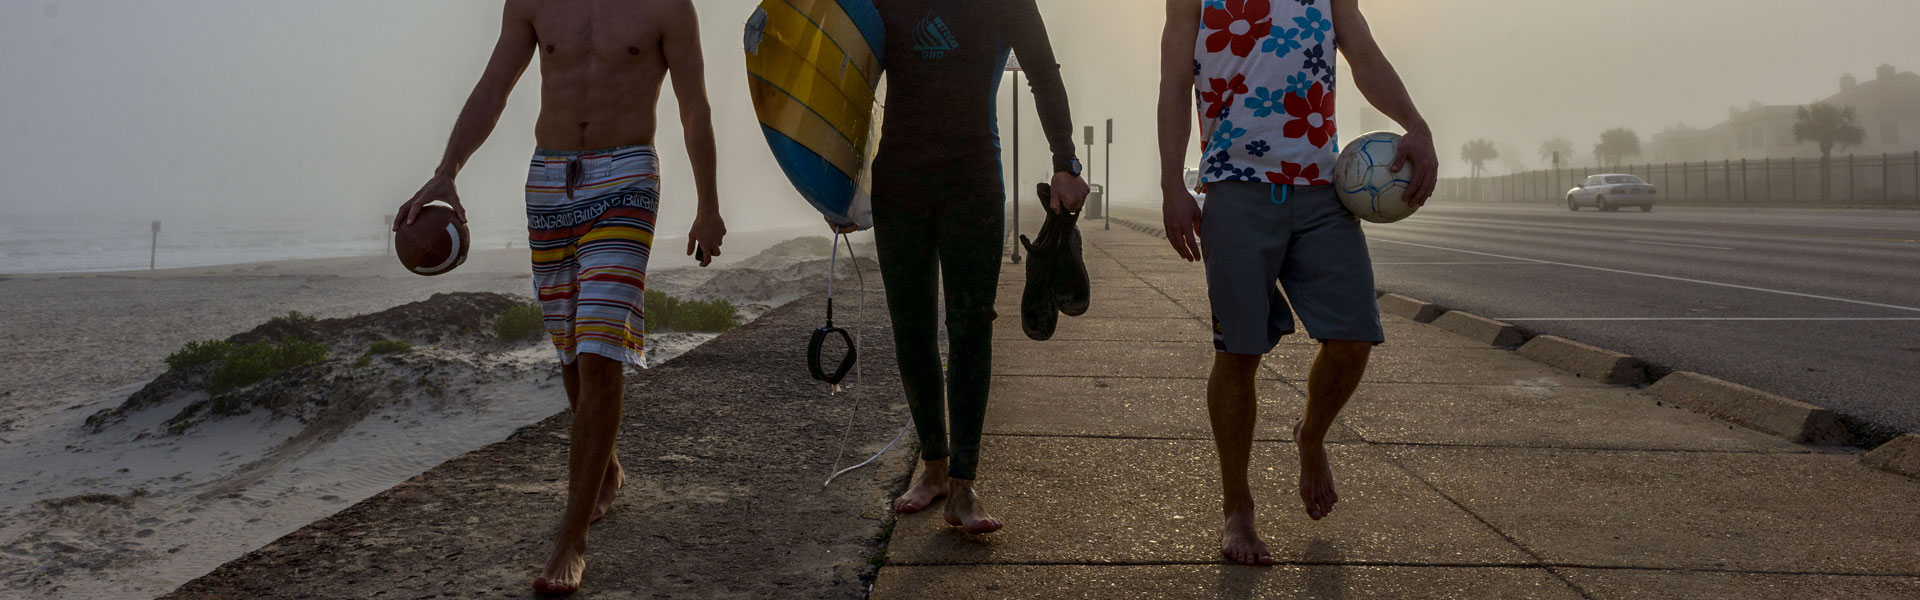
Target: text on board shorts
[{"x": 590, "y": 218}]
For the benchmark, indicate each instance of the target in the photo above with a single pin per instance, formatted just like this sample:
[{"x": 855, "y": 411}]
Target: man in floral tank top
[{"x": 1262, "y": 73}]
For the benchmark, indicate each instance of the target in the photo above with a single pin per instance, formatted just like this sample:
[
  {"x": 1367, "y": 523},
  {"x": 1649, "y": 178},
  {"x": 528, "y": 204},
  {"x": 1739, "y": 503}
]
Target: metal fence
[{"x": 1884, "y": 180}]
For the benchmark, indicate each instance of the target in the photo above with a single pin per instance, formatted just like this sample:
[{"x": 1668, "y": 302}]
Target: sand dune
[{"x": 136, "y": 505}]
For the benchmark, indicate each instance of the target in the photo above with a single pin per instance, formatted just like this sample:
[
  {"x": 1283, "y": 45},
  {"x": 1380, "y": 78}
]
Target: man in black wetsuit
[{"x": 939, "y": 215}]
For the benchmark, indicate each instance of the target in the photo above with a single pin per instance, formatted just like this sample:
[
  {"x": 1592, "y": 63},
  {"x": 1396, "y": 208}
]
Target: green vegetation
[
  {"x": 293, "y": 317},
  {"x": 242, "y": 366},
  {"x": 382, "y": 347},
  {"x": 520, "y": 323},
  {"x": 667, "y": 313},
  {"x": 195, "y": 354}
]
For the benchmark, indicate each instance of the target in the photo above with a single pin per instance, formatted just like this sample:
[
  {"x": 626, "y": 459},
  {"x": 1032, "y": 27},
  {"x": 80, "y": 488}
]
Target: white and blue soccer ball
[{"x": 1363, "y": 177}]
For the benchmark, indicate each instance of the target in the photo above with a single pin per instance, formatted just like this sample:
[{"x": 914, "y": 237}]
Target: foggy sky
[{"x": 337, "y": 111}]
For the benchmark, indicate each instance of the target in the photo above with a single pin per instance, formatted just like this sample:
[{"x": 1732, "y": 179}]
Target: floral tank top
[{"x": 1263, "y": 71}]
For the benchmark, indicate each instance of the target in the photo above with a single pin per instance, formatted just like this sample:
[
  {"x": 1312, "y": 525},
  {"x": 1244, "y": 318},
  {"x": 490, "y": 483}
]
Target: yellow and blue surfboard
[{"x": 813, "y": 67}]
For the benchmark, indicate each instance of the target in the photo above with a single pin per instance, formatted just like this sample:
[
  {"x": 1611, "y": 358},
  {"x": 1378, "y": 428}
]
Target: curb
[
  {"x": 1600, "y": 364},
  {"x": 1792, "y": 419},
  {"x": 1409, "y": 308},
  {"x": 1900, "y": 456},
  {"x": 1488, "y": 331},
  {"x": 1796, "y": 421}
]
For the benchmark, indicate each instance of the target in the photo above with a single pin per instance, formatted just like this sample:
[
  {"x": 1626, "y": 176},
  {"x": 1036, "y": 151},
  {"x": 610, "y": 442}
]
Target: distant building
[{"x": 1888, "y": 108}]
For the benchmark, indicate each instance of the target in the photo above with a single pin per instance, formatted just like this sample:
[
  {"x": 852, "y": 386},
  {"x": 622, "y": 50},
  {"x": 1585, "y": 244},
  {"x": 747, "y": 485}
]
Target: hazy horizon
[{"x": 337, "y": 111}]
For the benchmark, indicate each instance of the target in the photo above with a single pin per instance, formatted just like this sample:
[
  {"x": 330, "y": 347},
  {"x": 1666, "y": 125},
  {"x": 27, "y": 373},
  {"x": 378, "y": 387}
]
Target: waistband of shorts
[{"x": 539, "y": 152}]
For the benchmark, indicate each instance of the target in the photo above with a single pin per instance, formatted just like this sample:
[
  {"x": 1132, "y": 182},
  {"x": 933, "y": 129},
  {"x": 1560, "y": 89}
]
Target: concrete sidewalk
[{"x": 1464, "y": 472}]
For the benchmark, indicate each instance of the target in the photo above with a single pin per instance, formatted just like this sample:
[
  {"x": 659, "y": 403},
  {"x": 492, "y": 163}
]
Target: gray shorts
[{"x": 1256, "y": 234}]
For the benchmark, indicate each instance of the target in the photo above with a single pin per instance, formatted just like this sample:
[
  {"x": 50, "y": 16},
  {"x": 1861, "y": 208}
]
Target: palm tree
[
  {"x": 1478, "y": 153},
  {"x": 1558, "y": 145},
  {"x": 1616, "y": 145},
  {"x": 1829, "y": 126}
]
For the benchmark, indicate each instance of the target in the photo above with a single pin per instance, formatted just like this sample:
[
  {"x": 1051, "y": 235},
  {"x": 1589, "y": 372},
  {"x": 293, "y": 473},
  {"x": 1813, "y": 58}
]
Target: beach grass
[
  {"x": 520, "y": 323},
  {"x": 667, "y": 313},
  {"x": 389, "y": 347},
  {"x": 293, "y": 317},
  {"x": 195, "y": 354},
  {"x": 247, "y": 364}
]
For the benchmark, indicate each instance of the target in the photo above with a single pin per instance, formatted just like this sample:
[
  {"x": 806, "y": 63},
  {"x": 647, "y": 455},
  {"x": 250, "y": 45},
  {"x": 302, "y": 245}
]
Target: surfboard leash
[{"x": 860, "y": 321}]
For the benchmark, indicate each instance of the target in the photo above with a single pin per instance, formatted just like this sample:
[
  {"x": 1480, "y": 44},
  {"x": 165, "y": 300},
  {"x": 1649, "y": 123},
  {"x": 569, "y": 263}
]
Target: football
[
  {"x": 1363, "y": 177},
  {"x": 435, "y": 244}
]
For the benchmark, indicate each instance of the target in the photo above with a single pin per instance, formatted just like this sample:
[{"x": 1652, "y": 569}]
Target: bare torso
[{"x": 601, "y": 69}]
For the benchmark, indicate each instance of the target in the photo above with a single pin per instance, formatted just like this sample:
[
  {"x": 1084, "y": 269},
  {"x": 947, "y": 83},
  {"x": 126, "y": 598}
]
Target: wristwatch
[{"x": 1070, "y": 167}]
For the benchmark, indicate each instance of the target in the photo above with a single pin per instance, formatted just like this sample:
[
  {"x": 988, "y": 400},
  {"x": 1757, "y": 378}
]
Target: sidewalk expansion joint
[
  {"x": 1562, "y": 578},
  {"x": 1215, "y": 562},
  {"x": 1802, "y": 451}
]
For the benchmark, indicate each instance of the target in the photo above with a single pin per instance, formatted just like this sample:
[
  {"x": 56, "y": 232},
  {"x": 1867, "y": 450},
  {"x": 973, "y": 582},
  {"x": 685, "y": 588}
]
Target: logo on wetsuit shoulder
[{"x": 932, "y": 39}]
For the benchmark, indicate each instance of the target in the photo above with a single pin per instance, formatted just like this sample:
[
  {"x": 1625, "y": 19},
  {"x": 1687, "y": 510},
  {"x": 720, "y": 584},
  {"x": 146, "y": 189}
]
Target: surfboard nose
[{"x": 756, "y": 28}]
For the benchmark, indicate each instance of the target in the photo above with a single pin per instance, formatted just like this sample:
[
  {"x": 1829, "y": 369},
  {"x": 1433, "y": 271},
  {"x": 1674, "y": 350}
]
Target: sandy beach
[{"x": 131, "y": 512}]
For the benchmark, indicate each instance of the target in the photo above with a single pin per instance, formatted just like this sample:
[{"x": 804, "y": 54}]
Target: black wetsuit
[{"x": 939, "y": 197}]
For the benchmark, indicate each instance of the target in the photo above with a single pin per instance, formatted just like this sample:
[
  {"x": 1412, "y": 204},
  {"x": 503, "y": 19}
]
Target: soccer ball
[{"x": 1364, "y": 179}]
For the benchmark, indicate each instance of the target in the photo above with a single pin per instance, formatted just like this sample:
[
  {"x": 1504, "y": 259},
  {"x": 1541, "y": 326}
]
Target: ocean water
[{"x": 106, "y": 243}]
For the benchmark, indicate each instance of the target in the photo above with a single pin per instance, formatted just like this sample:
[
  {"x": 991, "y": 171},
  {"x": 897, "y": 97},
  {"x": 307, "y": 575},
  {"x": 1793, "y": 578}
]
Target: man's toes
[{"x": 984, "y": 526}]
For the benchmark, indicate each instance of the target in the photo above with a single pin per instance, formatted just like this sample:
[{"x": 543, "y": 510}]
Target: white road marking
[
  {"x": 1680, "y": 245},
  {"x": 1709, "y": 319},
  {"x": 1666, "y": 277}
]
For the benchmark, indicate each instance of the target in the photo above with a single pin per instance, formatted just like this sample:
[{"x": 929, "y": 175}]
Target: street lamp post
[{"x": 1013, "y": 65}]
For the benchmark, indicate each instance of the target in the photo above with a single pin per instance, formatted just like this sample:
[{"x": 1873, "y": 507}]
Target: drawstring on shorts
[
  {"x": 576, "y": 173},
  {"x": 1283, "y": 189}
]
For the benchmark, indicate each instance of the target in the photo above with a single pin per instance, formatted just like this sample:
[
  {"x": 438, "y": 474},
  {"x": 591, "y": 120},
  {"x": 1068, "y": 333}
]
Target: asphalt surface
[{"x": 1821, "y": 306}]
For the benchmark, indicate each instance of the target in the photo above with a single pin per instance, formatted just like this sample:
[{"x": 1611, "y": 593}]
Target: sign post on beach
[
  {"x": 1107, "y": 186},
  {"x": 390, "y": 236},
  {"x": 153, "y": 258}
]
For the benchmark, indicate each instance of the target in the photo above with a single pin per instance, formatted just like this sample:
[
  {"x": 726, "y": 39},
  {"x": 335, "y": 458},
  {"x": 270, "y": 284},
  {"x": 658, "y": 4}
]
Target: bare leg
[
  {"x": 927, "y": 489},
  {"x": 964, "y": 509},
  {"x": 1231, "y": 406},
  {"x": 596, "y": 423},
  {"x": 1336, "y": 374},
  {"x": 616, "y": 477}
]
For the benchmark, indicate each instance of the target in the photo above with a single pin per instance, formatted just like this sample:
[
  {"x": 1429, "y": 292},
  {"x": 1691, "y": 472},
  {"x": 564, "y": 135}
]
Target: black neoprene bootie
[
  {"x": 1066, "y": 270},
  {"x": 1038, "y": 315}
]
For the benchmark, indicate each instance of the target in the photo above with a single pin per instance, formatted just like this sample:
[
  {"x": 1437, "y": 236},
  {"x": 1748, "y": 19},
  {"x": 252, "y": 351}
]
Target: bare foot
[
  {"x": 964, "y": 509},
  {"x": 927, "y": 489},
  {"x": 1240, "y": 541},
  {"x": 564, "y": 570},
  {"x": 1316, "y": 476},
  {"x": 609, "y": 489}
]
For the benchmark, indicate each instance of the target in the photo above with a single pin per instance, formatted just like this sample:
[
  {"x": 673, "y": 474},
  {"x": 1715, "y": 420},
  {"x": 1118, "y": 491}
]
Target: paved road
[{"x": 1817, "y": 305}]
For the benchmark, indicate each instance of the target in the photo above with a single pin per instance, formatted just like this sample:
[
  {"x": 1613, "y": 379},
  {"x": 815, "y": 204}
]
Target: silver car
[{"x": 1611, "y": 192}]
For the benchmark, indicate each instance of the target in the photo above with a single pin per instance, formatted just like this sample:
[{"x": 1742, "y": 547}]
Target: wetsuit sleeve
[{"x": 1029, "y": 40}]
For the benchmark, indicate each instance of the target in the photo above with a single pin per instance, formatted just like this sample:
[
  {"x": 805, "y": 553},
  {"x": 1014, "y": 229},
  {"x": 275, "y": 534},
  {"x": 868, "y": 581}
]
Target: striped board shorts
[{"x": 590, "y": 218}]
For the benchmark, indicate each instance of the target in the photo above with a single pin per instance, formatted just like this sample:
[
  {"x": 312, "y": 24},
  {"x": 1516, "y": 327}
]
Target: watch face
[{"x": 1075, "y": 165}]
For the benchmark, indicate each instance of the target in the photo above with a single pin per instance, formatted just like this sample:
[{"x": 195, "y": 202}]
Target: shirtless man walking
[{"x": 592, "y": 195}]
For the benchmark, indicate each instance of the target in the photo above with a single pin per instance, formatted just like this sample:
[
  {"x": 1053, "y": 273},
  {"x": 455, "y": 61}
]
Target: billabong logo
[{"x": 932, "y": 39}]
